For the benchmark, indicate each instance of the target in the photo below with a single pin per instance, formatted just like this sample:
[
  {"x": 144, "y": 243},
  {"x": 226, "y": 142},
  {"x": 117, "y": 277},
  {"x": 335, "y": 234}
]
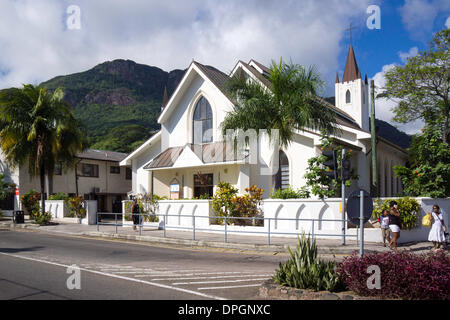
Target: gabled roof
[
  {"x": 215, "y": 76},
  {"x": 351, "y": 71},
  {"x": 103, "y": 155}
]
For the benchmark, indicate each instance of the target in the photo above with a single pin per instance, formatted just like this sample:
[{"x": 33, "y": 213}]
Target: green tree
[
  {"x": 427, "y": 173},
  {"x": 422, "y": 85},
  {"x": 320, "y": 184},
  {"x": 37, "y": 127},
  {"x": 124, "y": 138},
  {"x": 289, "y": 104},
  {"x": 5, "y": 187}
]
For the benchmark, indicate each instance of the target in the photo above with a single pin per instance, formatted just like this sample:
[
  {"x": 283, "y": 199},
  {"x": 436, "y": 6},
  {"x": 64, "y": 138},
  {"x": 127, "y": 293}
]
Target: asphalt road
[{"x": 35, "y": 266}]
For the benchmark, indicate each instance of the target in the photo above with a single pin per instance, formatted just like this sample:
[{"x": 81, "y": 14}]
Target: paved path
[{"x": 330, "y": 247}]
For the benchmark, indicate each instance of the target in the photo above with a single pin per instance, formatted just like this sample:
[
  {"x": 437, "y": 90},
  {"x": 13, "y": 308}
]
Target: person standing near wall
[
  {"x": 394, "y": 224},
  {"x": 135, "y": 213},
  {"x": 436, "y": 234}
]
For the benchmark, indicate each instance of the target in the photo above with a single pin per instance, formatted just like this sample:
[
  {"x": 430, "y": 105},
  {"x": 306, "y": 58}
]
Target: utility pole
[
  {"x": 374, "y": 185},
  {"x": 343, "y": 197}
]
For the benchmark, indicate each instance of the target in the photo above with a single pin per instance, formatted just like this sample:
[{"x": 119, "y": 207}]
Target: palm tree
[
  {"x": 289, "y": 104},
  {"x": 38, "y": 127}
]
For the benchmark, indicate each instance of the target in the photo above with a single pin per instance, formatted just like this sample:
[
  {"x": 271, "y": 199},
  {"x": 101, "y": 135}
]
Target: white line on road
[
  {"x": 230, "y": 287},
  {"x": 204, "y": 273},
  {"x": 218, "y": 281},
  {"x": 119, "y": 277},
  {"x": 193, "y": 278}
]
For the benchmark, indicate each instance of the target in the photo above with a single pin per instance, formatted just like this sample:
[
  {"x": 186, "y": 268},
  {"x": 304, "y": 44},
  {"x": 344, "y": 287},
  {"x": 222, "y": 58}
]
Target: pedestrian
[
  {"x": 438, "y": 227},
  {"x": 394, "y": 224},
  {"x": 135, "y": 213},
  {"x": 385, "y": 231}
]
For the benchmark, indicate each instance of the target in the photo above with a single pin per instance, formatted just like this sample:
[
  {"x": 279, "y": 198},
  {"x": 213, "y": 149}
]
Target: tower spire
[
  {"x": 165, "y": 98},
  {"x": 351, "y": 71}
]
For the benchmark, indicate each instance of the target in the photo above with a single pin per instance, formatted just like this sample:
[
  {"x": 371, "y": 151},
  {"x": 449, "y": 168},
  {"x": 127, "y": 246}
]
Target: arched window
[
  {"x": 347, "y": 97},
  {"x": 282, "y": 176},
  {"x": 202, "y": 122}
]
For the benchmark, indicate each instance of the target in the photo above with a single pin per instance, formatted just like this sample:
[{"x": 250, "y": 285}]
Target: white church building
[{"x": 188, "y": 157}]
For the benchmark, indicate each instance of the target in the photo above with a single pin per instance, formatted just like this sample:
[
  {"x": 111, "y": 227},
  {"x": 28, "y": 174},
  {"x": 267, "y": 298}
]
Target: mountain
[
  {"x": 387, "y": 131},
  {"x": 117, "y": 97}
]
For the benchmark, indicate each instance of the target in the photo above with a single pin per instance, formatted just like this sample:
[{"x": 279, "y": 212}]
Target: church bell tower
[{"x": 352, "y": 93}]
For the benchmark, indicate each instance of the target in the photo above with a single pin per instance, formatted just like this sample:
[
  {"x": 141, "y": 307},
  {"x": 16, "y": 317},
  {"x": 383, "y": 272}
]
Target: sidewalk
[{"x": 205, "y": 239}]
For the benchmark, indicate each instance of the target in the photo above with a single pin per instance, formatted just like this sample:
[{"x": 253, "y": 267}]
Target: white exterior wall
[
  {"x": 326, "y": 214},
  {"x": 358, "y": 107},
  {"x": 142, "y": 178},
  {"x": 177, "y": 130}
]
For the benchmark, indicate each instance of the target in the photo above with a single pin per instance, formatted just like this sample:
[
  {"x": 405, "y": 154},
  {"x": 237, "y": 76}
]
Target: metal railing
[{"x": 226, "y": 220}]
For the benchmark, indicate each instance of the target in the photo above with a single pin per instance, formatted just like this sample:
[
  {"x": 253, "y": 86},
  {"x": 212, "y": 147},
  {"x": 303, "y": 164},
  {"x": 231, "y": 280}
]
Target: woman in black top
[
  {"x": 135, "y": 213},
  {"x": 394, "y": 224}
]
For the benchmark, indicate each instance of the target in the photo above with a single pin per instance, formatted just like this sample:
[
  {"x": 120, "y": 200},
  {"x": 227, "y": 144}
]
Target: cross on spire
[{"x": 350, "y": 30}]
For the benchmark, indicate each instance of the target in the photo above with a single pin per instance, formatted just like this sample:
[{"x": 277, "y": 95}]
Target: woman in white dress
[{"x": 436, "y": 233}]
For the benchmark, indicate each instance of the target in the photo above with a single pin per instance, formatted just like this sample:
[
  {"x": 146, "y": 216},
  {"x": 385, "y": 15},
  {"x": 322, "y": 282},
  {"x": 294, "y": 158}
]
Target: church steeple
[
  {"x": 165, "y": 98},
  {"x": 351, "y": 71}
]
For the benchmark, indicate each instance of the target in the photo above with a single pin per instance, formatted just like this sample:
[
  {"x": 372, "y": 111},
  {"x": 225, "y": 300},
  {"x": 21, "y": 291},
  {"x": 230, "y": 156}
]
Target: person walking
[
  {"x": 436, "y": 234},
  {"x": 135, "y": 213},
  {"x": 394, "y": 224},
  {"x": 385, "y": 231}
]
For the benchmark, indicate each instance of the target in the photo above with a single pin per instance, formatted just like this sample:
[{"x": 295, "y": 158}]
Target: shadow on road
[{"x": 16, "y": 250}]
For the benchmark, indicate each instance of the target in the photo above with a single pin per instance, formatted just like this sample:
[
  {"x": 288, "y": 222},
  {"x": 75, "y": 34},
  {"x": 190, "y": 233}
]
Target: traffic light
[
  {"x": 331, "y": 164},
  {"x": 346, "y": 167}
]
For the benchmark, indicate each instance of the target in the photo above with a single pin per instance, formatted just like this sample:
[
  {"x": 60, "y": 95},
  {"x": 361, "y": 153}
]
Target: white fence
[
  {"x": 60, "y": 211},
  {"x": 319, "y": 217}
]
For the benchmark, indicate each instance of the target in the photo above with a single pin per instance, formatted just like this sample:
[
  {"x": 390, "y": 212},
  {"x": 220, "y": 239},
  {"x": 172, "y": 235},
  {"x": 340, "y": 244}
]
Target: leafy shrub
[
  {"x": 222, "y": 202},
  {"x": 76, "y": 207},
  {"x": 42, "y": 218},
  {"x": 304, "y": 271},
  {"x": 148, "y": 205},
  {"x": 248, "y": 206},
  {"x": 30, "y": 202},
  {"x": 290, "y": 193},
  {"x": 408, "y": 208},
  {"x": 404, "y": 275},
  {"x": 59, "y": 196}
]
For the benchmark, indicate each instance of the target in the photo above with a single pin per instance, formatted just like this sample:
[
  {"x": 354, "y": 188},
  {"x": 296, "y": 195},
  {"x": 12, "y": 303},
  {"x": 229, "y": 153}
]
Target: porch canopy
[{"x": 197, "y": 155}]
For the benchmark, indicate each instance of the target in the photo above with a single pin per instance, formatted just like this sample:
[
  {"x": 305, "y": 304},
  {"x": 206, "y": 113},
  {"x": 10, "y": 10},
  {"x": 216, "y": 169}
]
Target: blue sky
[
  {"x": 376, "y": 48},
  {"x": 36, "y": 43}
]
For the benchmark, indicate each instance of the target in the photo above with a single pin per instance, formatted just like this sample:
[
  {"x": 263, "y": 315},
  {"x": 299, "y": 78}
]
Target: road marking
[
  {"x": 205, "y": 273},
  {"x": 218, "y": 281},
  {"x": 230, "y": 287},
  {"x": 194, "y": 278},
  {"x": 119, "y": 277}
]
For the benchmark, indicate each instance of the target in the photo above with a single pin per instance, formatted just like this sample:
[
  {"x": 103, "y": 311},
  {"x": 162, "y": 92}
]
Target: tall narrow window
[
  {"x": 282, "y": 176},
  {"x": 202, "y": 122},
  {"x": 347, "y": 97}
]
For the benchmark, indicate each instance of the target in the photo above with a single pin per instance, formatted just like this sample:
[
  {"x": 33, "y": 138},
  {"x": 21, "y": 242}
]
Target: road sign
[{"x": 353, "y": 206}]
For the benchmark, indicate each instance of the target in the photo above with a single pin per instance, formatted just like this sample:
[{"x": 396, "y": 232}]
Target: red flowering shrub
[{"x": 403, "y": 275}]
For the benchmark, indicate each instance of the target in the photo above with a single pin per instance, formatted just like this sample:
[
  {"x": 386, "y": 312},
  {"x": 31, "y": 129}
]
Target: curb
[
  {"x": 180, "y": 242},
  {"x": 270, "y": 290}
]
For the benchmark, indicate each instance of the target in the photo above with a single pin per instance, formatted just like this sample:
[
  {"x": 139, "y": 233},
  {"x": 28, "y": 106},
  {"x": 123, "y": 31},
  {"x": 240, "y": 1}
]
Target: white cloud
[
  {"x": 384, "y": 107},
  {"x": 447, "y": 23},
  {"x": 36, "y": 44},
  {"x": 411, "y": 53},
  {"x": 418, "y": 16}
]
